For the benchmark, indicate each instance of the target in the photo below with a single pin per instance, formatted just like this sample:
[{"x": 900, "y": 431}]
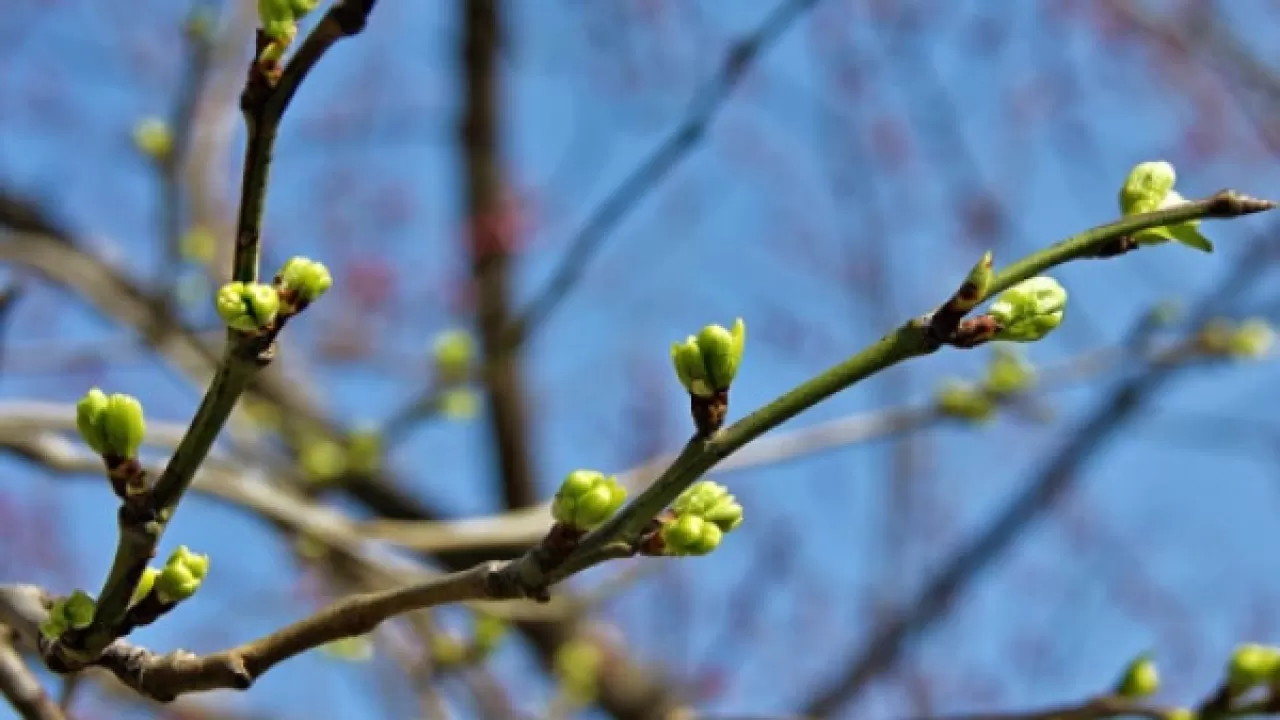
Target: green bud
[
  {"x": 577, "y": 666},
  {"x": 181, "y": 576},
  {"x": 72, "y": 612},
  {"x": 452, "y": 354},
  {"x": 447, "y": 649},
  {"x": 961, "y": 400},
  {"x": 1181, "y": 714},
  {"x": 278, "y": 19},
  {"x": 199, "y": 244},
  {"x": 247, "y": 307},
  {"x": 690, "y": 368},
  {"x": 722, "y": 352},
  {"x": 1252, "y": 339},
  {"x": 708, "y": 363},
  {"x": 712, "y": 502},
  {"x": 1008, "y": 373},
  {"x": 79, "y": 610},
  {"x": 1252, "y": 665},
  {"x": 322, "y": 459},
  {"x": 1146, "y": 187},
  {"x": 1141, "y": 678},
  {"x": 489, "y": 631},
  {"x": 145, "y": 583},
  {"x": 122, "y": 425},
  {"x": 1149, "y": 187},
  {"x": 459, "y": 403},
  {"x": 586, "y": 499},
  {"x": 88, "y": 419},
  {"x": 690, "y": 535},
  {"x": 306, "y": 278},
  {"x": 1029, "y": 310},
  {"x": 55, "y": 624},
  {"x": 111, "y": 425},
  {"x": 152, "y": 138}
]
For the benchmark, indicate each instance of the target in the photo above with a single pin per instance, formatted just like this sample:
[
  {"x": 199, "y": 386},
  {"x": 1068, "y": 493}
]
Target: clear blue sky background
[{"x": 748, "y": 226}]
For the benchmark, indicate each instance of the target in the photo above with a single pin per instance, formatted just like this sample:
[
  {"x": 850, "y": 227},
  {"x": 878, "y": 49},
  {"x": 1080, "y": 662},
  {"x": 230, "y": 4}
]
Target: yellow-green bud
[
  {"x": 586, "y": 499},
  {"x": 690, "y": 369},
  {"x": 452, "y": 353},
  {"x": 307, "y": 278},
  {"x": 1141, "y": 678},
  {"x": 1029, "y": 310},
  {"x": 199, "y": 244},
  {"x": 111, "y": 424},
  {"x": 145, "y": 583},
  {"x": 459, "y": 403},
  {"x": 322, "y": 459},
  {"x": 152, "y": 138},
  {"x": 247, "y": 307},
  {"x": 1146, "y": 187},
  {"x": 1008, "y": 373},
  {"x": 123, "y": 425},
  {"x": 1149, "y": 187},
  {"x": 72, "y": 612},
  {"x": 707, "y": 364},
  {"x": 181, "y": 576},
  {"x": 577, "y": 666},
  {"x": 690, "y": 535},
  {"x": 712, "y": 502},
  {"x": 959, "y": 399},
  {"x": 489, "y": 631},
  {"x": 1252, "y": 339},
  {"x": 79, "y": 610},
  {"x": 447, "y": 649},
  {"x": 722, "y": 352},
  {"x": 1252, "y": 665},
  {"x": 278, "y": 19},
  {"x": 89, "y": 419}
]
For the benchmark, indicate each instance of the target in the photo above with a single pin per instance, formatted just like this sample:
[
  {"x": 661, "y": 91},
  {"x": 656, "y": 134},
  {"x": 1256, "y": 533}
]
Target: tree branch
[
  {"x": 20, "y": 686},
  {"x": 1056, "y": 477}
]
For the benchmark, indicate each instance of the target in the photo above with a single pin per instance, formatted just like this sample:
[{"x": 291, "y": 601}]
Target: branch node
[{"x": 709, "y": 412}]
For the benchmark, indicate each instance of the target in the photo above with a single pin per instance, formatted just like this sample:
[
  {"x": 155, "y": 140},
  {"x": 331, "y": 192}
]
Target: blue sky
[{"x": 748, "y": 225}]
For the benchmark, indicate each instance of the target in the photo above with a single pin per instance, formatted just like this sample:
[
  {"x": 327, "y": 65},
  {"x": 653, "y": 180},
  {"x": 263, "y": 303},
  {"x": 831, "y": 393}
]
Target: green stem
[
  {"x": 253, "y": 195},
  {"x": 138, "y": 540},
  {"x": 908, "y": 341}
]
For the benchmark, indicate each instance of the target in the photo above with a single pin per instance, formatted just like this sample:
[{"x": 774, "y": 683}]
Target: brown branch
[
  {"x": 165, "y": 677},
  {"x": 264, "y": 102},
  {"x": 20, "y": 686},
  {"x": 657, "y": 166},
  {"x": 479, "y": 138}
]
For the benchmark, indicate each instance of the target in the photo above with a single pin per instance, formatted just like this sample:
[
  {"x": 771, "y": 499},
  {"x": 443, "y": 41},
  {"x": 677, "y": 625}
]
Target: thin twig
[
  {"x": 650, "y": 173},
  {"x": 1056, "y": 476},
  {"x": 264, "y": 103},
  {"x": 912, "y": 339}
]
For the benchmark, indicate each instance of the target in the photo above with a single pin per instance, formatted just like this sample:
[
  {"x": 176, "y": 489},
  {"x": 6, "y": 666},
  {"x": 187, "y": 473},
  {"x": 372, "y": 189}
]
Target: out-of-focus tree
[{"x": 485, "y": 223}]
